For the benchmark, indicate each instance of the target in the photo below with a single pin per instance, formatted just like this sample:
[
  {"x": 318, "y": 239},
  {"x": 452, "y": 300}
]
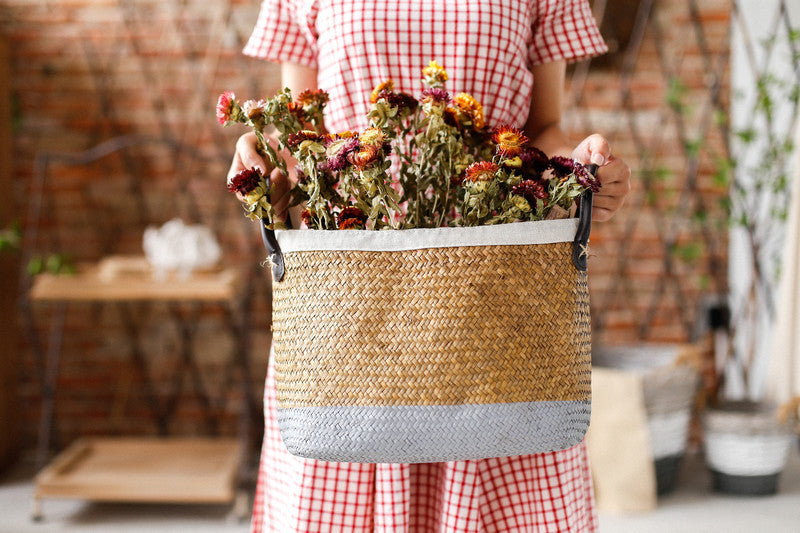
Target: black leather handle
[
  {"x": 274, "y": 249},
  {"x": 580, "y": 246}
]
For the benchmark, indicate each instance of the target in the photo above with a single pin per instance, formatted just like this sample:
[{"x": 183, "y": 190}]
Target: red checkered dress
[{"x": 487, "y": 48}]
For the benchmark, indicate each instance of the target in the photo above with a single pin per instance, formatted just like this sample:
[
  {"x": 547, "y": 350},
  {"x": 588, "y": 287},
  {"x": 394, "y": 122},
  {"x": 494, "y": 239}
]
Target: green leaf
[
  {"x": 747, "y": 135},
  {"x": 689, "y": 252}
]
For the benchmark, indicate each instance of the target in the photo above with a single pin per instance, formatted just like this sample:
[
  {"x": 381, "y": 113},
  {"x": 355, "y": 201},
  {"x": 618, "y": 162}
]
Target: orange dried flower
[
  {"x": 387, "y": 85},
  {"x": 480, "y": 171},
  {"x": 471, "y": 108},
  {"x": 509, "y": 140},
  {"x": 315, "y": 97}
]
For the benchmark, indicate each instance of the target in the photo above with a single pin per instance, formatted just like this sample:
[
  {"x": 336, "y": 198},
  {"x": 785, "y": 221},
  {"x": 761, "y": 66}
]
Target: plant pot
[
  {"x": 669, "y": 391},
  {"x": 746, "y": 448}
]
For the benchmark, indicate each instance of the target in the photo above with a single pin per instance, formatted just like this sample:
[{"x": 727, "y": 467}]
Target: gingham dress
[{"x": 487, "y": 48}]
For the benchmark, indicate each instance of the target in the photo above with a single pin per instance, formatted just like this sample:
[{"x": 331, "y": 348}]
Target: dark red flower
[
  {"x": 585, "y": 178},
  {"x": 246, "y": 181},
  {"x": 402, "y": 101},
  {"x": 534, "y": 161},
  {"x": 562, "y": 166},
  {"x": 451, "y": 117},
  {"x": 530, "y": 190}
]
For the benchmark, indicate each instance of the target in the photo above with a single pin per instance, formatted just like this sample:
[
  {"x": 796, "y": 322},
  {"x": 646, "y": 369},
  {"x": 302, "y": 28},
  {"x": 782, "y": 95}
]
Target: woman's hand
[
  {"x": 613, "y": 173},
  {"x": 247, "y": 156}
]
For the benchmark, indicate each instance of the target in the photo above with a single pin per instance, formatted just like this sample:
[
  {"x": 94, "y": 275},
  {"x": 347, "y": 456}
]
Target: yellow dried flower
[
  {"x": 434, "y": 74},
  {"x": 470, "y": 107}
]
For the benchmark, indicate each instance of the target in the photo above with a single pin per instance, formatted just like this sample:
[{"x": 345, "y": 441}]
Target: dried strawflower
[
  {"x": 562, "y": 167},
  {"x": 481, "y": 171},
  {"x": 226, "y": 107},
  {"x": 434, "y": 74},
  {"x": 309, "y": 98},
  {"x": 246, "y": 181},
  {"x": 337, "y": 151},
  {"x": 351, "y": 218},
  {"x": 386, "y": 86},
  {"x": 509, "y": 140},
  {"x": 471, "y": 108},
  {"x": 530, "y": 190},
  {"x": 441, "y": 167},
  {"x": 534, "y": 161}
]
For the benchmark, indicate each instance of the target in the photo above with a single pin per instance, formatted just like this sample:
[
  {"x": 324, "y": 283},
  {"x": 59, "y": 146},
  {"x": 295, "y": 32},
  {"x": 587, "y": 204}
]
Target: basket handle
[
  {"x": 580, "y": 246},
  {"x": 274, "y": 249}
]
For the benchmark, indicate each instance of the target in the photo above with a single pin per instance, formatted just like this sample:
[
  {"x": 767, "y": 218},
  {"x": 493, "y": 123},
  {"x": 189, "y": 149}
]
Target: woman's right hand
[{"x": 246, "y": 157}]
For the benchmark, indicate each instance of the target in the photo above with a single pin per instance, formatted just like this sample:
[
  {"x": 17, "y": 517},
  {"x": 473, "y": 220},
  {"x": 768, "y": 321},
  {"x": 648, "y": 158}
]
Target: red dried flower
[
  {"x": 225, "y": 105},
  {"x": 351, "y": 218},
  {"x": 402, "y": 101},
  {"x": 531, "y": 190},
  {"x": 457, "y": 180},
  {"x": 481, "y": 171},
  {"x": 296, "y": 109},
  {"x": 246, "y": 181},
  {"x": 585, "y": 178},
  {"x": 307, "y": 216},
  {"x": 534, "y": 161},
  {"x": 316, "y": 97},
  {"x": 562, "y": 166},
  {"x": 509, "y": 140},
  {"x": 295, "y": 139}
]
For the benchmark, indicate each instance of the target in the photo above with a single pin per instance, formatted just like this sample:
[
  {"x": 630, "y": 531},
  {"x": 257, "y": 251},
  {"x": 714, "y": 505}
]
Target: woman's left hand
[{"x": 613, "y": 173}]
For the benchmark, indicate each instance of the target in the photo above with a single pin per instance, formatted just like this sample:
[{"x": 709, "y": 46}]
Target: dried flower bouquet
[{"x": 423, "y": 162}]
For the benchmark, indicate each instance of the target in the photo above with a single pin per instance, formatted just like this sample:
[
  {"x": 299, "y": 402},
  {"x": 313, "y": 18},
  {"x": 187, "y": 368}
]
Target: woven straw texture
[{"x": 442, "y": 326}]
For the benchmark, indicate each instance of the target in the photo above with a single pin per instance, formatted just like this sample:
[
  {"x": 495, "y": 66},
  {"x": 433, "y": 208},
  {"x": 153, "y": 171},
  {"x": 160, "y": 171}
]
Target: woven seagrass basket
[{"x": 430, "y": 345}]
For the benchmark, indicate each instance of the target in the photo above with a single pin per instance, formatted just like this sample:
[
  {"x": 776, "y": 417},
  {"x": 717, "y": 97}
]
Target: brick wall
[{"x": 85, "y": 71}]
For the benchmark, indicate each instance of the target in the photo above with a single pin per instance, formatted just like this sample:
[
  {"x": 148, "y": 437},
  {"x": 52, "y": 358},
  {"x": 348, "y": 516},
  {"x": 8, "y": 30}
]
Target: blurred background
[{"x": 108, "y": 127}]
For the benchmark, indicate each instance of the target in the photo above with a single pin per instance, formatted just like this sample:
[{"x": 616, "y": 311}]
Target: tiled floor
[{"x": 692, "y": 508}]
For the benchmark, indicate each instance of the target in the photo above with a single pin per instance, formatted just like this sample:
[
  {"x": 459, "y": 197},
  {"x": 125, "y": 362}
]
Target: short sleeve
[
  {"x": 283, "y": 32},
  {"x": 564, "y": 29}
]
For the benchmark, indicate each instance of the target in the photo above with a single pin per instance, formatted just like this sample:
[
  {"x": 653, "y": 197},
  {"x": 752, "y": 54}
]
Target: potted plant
[{"x": 746, "y": 441}]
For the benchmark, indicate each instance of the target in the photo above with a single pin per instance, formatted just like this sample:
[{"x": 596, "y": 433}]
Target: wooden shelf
[
  {"x": 157, "y": 470},
  {"x": 129, "y": 278}
]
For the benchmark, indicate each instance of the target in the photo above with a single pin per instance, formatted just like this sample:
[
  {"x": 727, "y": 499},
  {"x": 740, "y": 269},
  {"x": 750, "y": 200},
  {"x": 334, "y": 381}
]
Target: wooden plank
[
  {"x": 93, "y": 283},
  {"x": 158, "y": 470}
]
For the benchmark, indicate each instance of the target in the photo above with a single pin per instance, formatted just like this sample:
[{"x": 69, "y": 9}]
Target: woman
[{"x": 511, "y": 57}]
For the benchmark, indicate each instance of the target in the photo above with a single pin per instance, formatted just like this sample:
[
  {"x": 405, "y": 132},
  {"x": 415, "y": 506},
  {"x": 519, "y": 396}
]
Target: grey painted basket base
[
  {"x": 745, "y": 485},
  {"x": 667, "y": 473},
  {"x": 428, "y": 434}
]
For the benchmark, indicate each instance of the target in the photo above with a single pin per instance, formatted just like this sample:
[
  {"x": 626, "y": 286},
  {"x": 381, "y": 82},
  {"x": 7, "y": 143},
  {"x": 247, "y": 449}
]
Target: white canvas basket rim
[{"x": 518, "y": 233}]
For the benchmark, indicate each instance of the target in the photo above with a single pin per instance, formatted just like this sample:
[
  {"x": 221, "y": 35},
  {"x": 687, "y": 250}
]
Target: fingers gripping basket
[{"x": 430, "y": 345}]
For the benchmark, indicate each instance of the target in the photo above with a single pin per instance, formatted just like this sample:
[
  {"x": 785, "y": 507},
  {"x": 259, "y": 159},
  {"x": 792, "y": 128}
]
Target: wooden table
[{"x": 174, "y": 470}]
